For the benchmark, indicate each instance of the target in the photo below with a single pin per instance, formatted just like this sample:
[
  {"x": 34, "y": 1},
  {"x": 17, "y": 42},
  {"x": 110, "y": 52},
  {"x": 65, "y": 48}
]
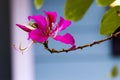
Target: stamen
[
  {"x": 22, "y": 50},
  {"x": 56, "y": 33},
  {"x": 33, "y": 25},
  {"x": 54, "y": 25}
]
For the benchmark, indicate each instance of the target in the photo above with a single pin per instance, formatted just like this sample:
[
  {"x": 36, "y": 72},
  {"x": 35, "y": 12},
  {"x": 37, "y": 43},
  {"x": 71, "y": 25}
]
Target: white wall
[{"x": 22, "y": 65}]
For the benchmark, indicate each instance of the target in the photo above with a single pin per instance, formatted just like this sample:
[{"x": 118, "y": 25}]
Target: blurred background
[{"x": 91, "y": 63}]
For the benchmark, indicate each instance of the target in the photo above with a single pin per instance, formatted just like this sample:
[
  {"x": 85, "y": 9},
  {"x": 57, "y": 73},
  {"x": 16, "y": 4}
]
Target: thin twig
[{"x": 80, "y": 47}]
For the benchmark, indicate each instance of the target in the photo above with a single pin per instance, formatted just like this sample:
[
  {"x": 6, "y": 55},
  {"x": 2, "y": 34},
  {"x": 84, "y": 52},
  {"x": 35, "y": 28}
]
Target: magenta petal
[
  {"x": 38, "y": 36},
  {"x": 51, "y": 17},
  {"x": 67, "y": 39},
  {"x": 63, "y": 24},
  {"x": 40, "y": 20},
  {"x": 23, "y": 27}
]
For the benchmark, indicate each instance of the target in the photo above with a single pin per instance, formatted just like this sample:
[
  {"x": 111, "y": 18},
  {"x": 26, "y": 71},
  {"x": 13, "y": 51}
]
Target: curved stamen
[{"x": 22, "y": 50}]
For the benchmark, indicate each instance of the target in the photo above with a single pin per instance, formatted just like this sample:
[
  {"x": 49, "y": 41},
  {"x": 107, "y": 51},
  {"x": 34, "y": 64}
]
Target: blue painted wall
[{"x": 92, "y": 63}]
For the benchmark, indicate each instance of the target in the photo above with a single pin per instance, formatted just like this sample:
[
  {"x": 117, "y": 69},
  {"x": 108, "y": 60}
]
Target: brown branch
[{"x": 80, "y": 47}]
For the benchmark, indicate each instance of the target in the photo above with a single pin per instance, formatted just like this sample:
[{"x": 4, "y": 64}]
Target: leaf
[
  {"x": 75, "y": 10},
  {"x": 38, "y": 3},
  {"x": 104, "y": 2},
  {"x": 110, "y": 21},
  {"x": 114, "y": 71}
]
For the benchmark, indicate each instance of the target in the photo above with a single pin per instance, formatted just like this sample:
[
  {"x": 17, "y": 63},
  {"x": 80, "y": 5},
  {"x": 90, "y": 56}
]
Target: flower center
[{"x": 33, "y": 25}]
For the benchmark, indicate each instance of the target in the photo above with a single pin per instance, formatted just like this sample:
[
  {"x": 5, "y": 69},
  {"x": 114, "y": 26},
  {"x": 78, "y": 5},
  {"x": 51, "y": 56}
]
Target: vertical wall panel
[
  {"x": 22, "y": 64},
  {"x": 5, "y": 57}
]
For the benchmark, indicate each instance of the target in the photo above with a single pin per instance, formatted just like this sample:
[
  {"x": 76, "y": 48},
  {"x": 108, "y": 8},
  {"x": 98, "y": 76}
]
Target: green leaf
[
  {"x": 104, "y": 2},
  {"x": 38, "y": 3},
  {"x": 114, "y": 71},
  {"x": 110, "y": 21},
  {"x": 75, "y": 10}
]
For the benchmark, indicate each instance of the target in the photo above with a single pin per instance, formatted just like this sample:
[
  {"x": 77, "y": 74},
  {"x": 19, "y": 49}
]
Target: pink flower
[{"x": 44, "y": 27}]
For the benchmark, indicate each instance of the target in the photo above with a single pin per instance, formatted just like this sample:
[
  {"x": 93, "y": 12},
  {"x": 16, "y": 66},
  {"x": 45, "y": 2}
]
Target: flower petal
[
  {"x": 38, "y": 36},
  {"x": 23, "y": 27},
  {"x": 67, "y": 39},
  {"x": 63, "y": 24},
  {"x": 40, "y": 20},
  {"x": 51, "y": 17}
]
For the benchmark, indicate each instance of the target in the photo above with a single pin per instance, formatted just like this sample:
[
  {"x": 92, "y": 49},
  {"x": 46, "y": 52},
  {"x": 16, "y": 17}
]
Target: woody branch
[{"x": 79, "y": 47}]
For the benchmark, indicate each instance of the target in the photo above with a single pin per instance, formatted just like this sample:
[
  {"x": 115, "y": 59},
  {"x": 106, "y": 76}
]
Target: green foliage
[
  {"x": 38, "y": 3},
  {"x": 75, "y": 10},
  {"x": 110, "y": 21},
  {"x": 104, "y": 2},
  {"x": 114, "y": 72}
]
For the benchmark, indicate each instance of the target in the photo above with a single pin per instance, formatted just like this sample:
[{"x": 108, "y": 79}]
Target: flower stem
[{"x": 80, "y": 47}]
